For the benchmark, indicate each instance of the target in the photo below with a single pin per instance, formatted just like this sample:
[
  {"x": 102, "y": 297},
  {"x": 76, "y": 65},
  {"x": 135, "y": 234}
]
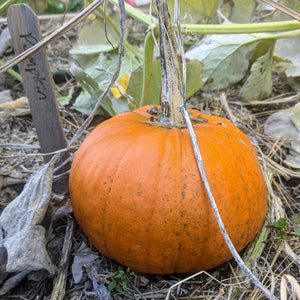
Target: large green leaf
[
  {"x": 227, "y": 58},
  {"x": 92, "y": 37}
]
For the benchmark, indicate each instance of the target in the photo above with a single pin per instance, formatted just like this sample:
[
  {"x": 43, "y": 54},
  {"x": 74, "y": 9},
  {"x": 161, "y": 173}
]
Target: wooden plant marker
[{"x": 37, "y": 80}]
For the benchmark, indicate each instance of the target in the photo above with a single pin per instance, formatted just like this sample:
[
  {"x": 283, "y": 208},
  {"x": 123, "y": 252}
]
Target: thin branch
[
  {"x": 283, "y": 9},
  {"x": 59, "y": 289}
]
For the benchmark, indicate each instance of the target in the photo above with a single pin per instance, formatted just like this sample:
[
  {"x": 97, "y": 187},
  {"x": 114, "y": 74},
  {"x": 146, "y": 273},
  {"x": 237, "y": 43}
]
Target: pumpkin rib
[
  {"x": 129, "y": 152},
  {"x": 173, "y": 143},
  {"x": 236, "y": 166}
]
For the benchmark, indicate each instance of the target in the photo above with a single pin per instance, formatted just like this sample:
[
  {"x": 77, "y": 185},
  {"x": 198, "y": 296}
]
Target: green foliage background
[{"x": 53, "y": 6}]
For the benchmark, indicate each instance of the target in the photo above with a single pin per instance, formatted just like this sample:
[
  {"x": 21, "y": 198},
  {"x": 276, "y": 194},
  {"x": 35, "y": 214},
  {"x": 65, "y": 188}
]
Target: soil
[{"x": 20, "y": 158}]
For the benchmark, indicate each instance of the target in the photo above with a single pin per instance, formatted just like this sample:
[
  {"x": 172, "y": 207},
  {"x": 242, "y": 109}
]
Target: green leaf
[
  {"x": 112, "y": 285},
  {"x": 227, "y": 59},
  {"x": 297, "y": 231},
  {"x": 85, "y": 103},
  {"x": 92, "y": 38},
  {"x": 124, "y": 285},
  {"x": 296, "y": 219},
  {"x": 55, "y": 7},
  {"x": 194, "y": 81},
  {"x": 238, "y": 11},
  {"x": 195, "y": 11},
  {"x": 258, "y": 85},
  {"x": 282, "y": 235},
  {"x": 281, "y": 223}
]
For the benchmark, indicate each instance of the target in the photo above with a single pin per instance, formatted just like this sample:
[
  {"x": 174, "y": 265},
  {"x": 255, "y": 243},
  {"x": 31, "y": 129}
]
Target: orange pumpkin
[{"x": 137, "y": 194}]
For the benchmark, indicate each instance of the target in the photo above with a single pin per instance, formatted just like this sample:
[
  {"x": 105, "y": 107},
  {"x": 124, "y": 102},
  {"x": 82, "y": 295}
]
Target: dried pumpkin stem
[{"x": 170, "y": 73}]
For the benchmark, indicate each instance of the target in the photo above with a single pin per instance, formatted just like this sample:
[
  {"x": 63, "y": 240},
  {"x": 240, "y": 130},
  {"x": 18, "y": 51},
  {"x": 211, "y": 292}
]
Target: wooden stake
[{"x": 37, "y": 80}]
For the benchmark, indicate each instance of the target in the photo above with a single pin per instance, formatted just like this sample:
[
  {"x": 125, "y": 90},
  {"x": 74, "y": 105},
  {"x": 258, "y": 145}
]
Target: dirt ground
[{"x": 87, "y": 273}]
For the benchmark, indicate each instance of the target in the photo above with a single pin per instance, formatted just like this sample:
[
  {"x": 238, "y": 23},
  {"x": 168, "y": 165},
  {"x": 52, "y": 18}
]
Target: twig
[
  {"x": 225, "y": 106},
  {"x": 187, "y": 279},
  {"x": 59, "y": 289},
  {"x": 283, "y": 8}
]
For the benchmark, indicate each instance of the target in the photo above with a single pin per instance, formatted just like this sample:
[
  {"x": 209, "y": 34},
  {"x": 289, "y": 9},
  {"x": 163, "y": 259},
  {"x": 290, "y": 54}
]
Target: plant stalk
[
  {"x": 6, "y": 5},
  {"x": 171, "y": 96},
  {"x": 13, "y": 73},
  {"x": 147, "y": 68}
]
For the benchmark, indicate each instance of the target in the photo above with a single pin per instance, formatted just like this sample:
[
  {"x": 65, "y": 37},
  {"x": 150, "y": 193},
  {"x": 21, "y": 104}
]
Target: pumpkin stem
[{"x": 171, "y": 97}]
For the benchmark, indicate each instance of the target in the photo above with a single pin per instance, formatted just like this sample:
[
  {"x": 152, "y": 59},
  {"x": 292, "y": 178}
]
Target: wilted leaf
[
  {"x": 287, "y": 49},
  {"x": 26, "y": 254},
  {"x": 20, "y": 230},
  {"x": 84, "y": 257},
  {"x": 12, "y": 282},
  {"x": 88, "y": 263},
  {"x": 100, "y": 289},
  {"x": 285, "y": 124}
]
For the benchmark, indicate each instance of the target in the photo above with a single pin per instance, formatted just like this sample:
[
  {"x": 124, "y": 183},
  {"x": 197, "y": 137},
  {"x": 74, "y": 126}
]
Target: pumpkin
[{"x": 136, "y": 192}]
